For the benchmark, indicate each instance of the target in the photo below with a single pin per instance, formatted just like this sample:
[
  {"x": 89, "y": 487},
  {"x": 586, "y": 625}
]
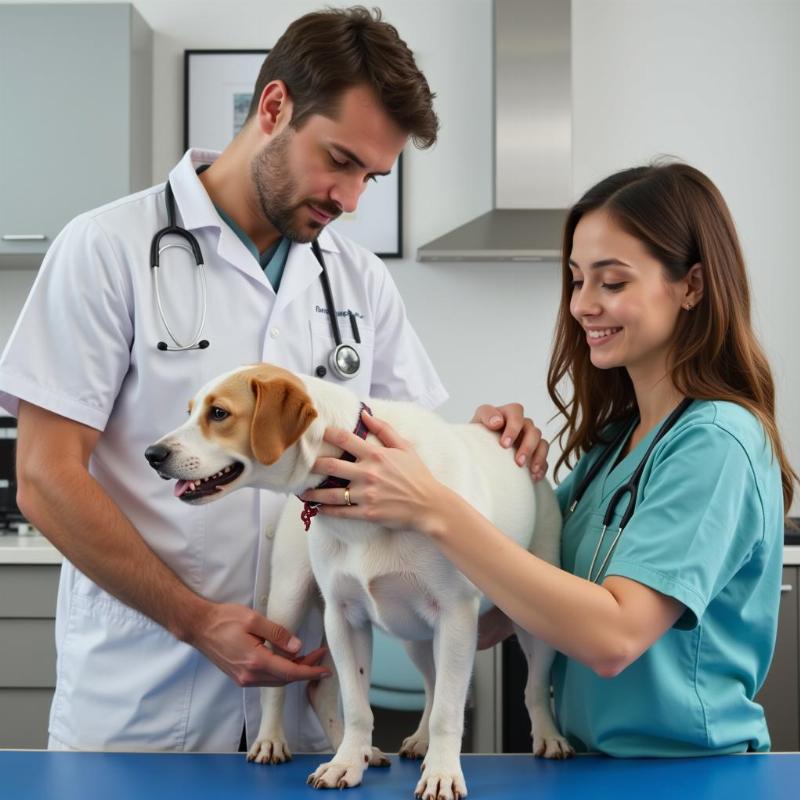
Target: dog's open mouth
[{"x": 188, "y": 491}]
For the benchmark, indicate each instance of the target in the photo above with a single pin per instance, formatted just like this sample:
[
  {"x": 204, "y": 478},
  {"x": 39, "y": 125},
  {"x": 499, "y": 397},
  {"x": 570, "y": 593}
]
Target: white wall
[{"x": 716, "y": 82}]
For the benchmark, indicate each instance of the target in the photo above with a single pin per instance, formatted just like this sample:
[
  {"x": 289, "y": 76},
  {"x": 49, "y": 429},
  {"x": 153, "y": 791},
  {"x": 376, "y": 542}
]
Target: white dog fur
[{"x": 271, "y": 427}]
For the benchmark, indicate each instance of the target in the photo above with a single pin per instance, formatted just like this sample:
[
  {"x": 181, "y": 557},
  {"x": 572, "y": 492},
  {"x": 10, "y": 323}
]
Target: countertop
[
  {"x": 40, "y": 775},
  {"x": 35, "y": 549},
  {"x": 29, "y": 549},
  {"x": 791, "y": 555}
]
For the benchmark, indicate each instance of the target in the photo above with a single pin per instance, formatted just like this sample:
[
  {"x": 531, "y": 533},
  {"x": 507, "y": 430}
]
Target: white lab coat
[{"x": 84, "y": 347}]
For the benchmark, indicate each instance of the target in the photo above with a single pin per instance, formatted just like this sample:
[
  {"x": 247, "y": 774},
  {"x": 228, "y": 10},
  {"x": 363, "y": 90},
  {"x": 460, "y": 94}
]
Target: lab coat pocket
[
  {"x": 323, "y": 344},
  {"x": 124, "y": 682}
]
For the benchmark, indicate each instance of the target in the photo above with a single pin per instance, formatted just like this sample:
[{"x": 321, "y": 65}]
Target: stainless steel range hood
[{"x": 532, "y": 140}]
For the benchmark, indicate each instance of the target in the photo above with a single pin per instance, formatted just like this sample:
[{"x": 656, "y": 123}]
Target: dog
[{"x": 262, "y": 426}]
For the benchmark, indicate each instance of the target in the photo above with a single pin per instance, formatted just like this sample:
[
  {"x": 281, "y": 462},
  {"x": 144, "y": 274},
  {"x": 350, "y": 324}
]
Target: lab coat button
[
  {"x": 274, "y": 333},
  {"x": 269, "y": 533},
  {"x": 263, "y": 600}
]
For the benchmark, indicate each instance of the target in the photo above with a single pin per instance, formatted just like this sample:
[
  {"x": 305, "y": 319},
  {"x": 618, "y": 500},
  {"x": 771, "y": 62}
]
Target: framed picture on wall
[{"x": 218, "y": 89}]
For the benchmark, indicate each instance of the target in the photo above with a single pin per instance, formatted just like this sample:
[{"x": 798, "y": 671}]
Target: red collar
[{"x": 312, "y": 509}]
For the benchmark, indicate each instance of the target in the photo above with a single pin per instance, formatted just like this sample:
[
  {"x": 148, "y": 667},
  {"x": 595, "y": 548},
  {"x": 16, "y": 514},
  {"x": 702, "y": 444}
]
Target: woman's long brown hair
[{"x": 682, "y": 219}]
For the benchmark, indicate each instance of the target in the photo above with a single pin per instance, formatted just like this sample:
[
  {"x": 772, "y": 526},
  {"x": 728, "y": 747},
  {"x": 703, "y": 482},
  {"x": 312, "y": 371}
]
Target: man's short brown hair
[{"x": 324, "y": 53}]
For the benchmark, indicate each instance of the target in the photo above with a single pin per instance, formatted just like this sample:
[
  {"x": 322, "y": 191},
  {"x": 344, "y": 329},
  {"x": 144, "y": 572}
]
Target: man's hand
[
  {"x": 234, "y": 637},
  {"x": 493, "y": 627},
  {"x": 516, "y": 429}
]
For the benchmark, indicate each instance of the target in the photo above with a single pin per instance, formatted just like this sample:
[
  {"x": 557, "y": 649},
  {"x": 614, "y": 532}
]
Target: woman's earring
[{"x": 688, "y": 306}]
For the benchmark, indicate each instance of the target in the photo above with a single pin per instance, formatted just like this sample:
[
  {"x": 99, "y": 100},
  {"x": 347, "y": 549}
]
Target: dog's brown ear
[{"x": 283, "y": 412}]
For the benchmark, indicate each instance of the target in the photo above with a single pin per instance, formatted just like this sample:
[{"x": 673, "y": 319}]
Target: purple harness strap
[{"x": 311, "y": 510}]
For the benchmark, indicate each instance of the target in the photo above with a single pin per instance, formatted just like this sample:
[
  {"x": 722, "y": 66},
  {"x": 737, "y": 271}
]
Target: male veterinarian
[{"x": 158, "y": 643}]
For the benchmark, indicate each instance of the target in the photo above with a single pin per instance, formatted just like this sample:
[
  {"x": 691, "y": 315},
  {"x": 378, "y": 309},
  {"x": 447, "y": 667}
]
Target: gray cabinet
[
  {"x": 27, "y": 652},
  {"x": 780, "y": 694},
  {"x": 75, "y": 118}
]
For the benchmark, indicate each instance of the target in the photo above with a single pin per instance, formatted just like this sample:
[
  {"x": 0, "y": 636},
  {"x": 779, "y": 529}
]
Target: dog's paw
[
  {"x": 337, "y": 774},
  {"x": 441, "y": 782},
  {"x": 379, "y": 758},
  {"x": 269, "y": 750},
  {"x": 553, "y": 746},
  {"x": 414, "y": 746}
]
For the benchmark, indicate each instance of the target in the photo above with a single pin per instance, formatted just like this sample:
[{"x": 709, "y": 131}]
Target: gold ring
[{"x": 347, "y": 497}]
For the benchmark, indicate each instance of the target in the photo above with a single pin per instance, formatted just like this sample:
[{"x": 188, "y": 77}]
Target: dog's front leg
[
  {"x": 454, "y": 651},
  {"x": 288, "y": 607},
  {"x": 351, "y": 648},
  {"x": 292, "y": 587}
]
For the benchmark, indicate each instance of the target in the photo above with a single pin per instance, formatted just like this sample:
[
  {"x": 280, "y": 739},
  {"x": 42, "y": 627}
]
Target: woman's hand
[
  {"x": 517, "y": 429},
  {"x": 389, "y": 485}
]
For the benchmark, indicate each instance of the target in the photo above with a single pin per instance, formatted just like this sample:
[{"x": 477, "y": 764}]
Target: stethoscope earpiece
[{"x": 201, "y": 345}]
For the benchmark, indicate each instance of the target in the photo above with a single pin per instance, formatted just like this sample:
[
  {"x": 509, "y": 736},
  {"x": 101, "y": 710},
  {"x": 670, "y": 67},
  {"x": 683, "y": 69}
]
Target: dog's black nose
[{"x": 157, "y": 454}]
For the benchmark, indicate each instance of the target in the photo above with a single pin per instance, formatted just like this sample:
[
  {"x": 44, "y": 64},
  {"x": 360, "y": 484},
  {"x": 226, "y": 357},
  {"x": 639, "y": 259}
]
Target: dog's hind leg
[
  {"x": 547, "y": 739},
  {"x": 545, "y": 544},
  {"x": 421, "y": 653}
]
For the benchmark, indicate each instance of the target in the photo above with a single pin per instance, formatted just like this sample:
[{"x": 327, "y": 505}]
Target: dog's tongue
[{"x": 181, "y": 487}]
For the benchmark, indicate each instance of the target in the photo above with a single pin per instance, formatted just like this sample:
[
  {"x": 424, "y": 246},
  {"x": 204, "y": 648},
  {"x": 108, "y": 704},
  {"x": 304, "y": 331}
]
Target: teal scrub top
[
  {"x": 708, "y": 531},
  {"x": 272, "y": 260}
]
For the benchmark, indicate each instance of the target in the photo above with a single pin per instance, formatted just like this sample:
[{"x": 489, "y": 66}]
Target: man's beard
[{"x": 276, "y": 191}]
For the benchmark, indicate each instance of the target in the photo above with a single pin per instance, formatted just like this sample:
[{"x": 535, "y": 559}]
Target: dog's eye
[{"x": 218, "y": 413}]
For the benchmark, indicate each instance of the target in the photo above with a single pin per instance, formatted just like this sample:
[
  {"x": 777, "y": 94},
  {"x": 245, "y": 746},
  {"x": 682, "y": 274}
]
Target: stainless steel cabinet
[
  {"x": 75, "y": 117},
  {"x": 780, "y": 694}
]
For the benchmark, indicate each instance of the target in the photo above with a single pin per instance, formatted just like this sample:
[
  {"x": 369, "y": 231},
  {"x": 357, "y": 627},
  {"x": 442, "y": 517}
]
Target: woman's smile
[{"x": 599, "y": 336}]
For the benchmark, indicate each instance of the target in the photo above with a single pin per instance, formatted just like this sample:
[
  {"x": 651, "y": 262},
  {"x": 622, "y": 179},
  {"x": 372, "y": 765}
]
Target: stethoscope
[
  {"x": 344, "y": 360},
  {"x": 631, "y": 487}
]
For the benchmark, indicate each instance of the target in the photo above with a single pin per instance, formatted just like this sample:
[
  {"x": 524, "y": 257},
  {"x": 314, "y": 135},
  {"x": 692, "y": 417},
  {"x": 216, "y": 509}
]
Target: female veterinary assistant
[
  {"x": 666, "y": 629},
  {"x": 707, "y": 532}
]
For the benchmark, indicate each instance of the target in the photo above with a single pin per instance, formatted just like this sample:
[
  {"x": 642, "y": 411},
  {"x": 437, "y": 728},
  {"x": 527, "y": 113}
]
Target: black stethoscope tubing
[
  {"x": 340, "y": 351},
  {"x": 630, "y": 487},
  {"x": 344, "y": 359}
]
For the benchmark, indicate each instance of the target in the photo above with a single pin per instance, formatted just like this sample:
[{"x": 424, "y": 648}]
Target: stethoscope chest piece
[{"x": 344, "y": 361}]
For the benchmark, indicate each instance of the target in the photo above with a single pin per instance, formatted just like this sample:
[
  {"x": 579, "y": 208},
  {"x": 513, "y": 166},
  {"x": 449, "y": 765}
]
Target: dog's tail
[{"x": 546, "y": 540}]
